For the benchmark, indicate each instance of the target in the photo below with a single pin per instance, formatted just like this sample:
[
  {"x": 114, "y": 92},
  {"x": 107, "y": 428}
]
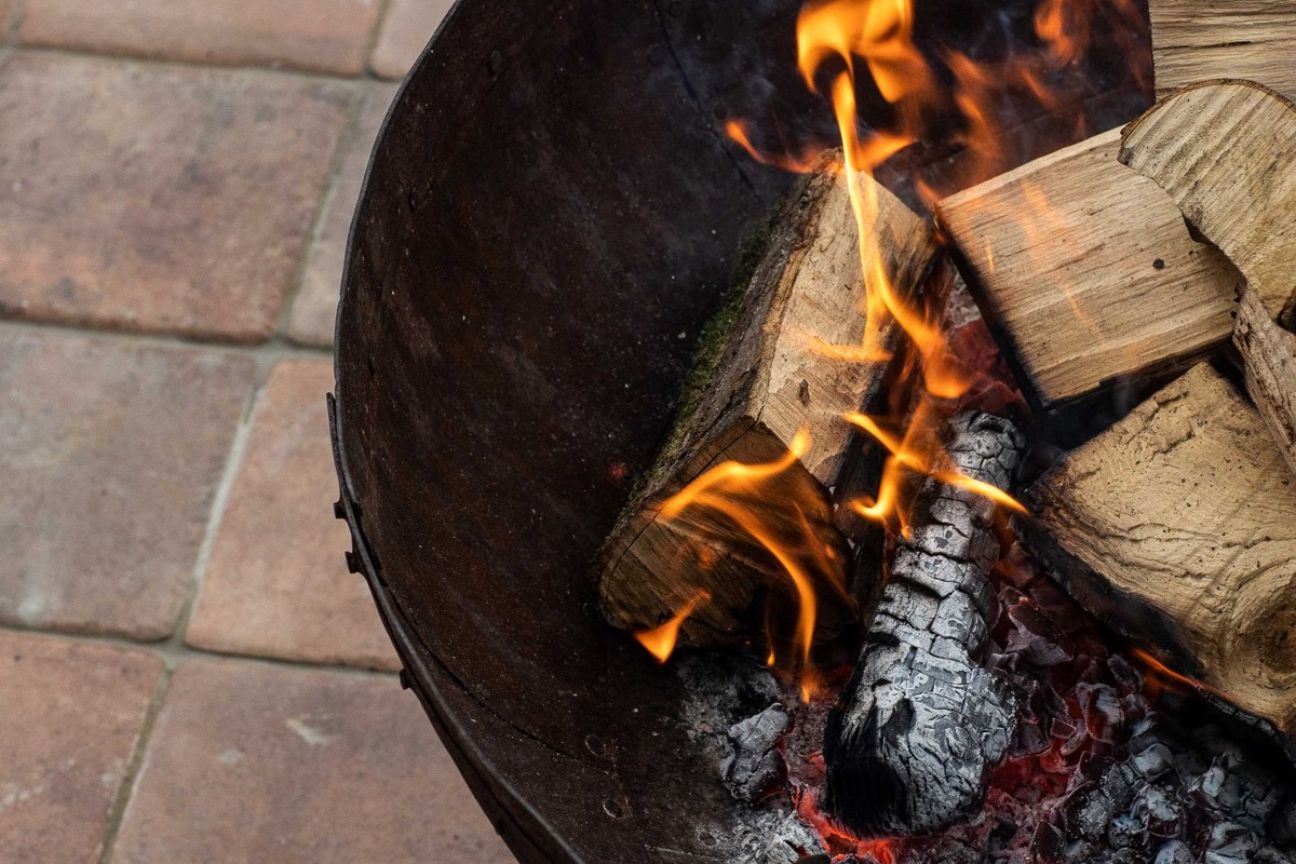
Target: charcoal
[
  {"x": 920, "y": 725},
  {"x": 1230, "y": 843},
  {"x": 754, "y": 766},
  {"x": 1270, "y": 855},
  {"x": 1174, "y": 852},
  {"x": 1153, "y": 761},
  {"x": 1163, "y": 816}
]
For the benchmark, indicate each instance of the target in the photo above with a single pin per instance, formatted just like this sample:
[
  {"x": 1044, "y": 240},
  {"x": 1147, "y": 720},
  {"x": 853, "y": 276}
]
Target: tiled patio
[{"x": 187, "y": 671}]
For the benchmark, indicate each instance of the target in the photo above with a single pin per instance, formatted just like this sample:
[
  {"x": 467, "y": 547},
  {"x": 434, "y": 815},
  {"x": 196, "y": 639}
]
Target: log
[
  {"x": 767, "y": 377},
  {"x": 1051, "y": 252},
  {"x": 1194, "y": 40},
  {"x": 1226, "y": 153},
  {"x": 1177, "y": 527},
  {"x": 1269, "y": 362},
  {"x": 910, "y": 746}
]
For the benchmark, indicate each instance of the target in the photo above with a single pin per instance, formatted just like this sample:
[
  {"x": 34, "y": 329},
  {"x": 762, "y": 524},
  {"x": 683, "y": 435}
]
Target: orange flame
[
  {"x": 660, "y": 641},
  {"x": 728, "y": 490},
  {"x": 837, "y": 42},
  {"x": 1158, "y": 674}
]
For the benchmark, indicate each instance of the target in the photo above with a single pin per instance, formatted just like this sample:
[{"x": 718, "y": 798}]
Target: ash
[
  {"x": 734, "y": 710},
  {"x": 1108, "y": 763}
]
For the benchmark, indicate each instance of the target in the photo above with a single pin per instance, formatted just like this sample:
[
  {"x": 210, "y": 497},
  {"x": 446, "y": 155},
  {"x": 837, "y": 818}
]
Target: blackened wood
[{"x": 910, "y": 746}]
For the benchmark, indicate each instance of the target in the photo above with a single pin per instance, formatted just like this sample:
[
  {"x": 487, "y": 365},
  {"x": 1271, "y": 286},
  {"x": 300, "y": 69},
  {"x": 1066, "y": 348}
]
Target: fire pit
[{"x": 552, "y": 215}]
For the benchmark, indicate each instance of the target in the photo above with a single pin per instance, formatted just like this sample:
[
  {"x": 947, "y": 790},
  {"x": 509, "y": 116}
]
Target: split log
[
  {"x": 1197, "y": 39},
  {"x": 1087, "y": 273},
  {"x": 1269, "y": 361},
  {"x": 768, "y": 378},
  {"x": 1177, "y": 527},
  {"x": 911, "y": 744},
  {"x": 1226, "y": 153}
]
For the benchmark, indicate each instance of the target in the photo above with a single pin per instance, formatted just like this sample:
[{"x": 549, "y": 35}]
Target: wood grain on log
[
  {"x": 1087, "y": 271},
  {"x": 1178, "y": 527},
  {"x": 910, "y": 746},
  {"x": 1197, "y": 39},
  {"x": 1225, "y": 151},
  {"x": 766, "y": 380},
  {"x": 1269, "y": 361}
]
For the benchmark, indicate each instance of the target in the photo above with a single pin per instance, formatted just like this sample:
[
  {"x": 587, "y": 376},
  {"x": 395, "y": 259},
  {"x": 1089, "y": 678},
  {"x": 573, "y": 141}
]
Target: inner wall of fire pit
[{"x": 550, "y": 217}]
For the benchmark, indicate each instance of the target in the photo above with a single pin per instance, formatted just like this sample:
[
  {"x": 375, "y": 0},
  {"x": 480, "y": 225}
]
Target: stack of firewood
[{"x": 1161, "y": 258}]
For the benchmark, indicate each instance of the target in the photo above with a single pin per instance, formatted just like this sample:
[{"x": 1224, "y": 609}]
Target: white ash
[{"x": 728, "y": 696}]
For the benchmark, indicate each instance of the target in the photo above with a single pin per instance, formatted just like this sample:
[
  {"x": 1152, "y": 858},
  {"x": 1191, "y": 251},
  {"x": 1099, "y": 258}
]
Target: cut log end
[
  {"x": 1178, "y": 527},
  {"x": 775, "y": 374}
]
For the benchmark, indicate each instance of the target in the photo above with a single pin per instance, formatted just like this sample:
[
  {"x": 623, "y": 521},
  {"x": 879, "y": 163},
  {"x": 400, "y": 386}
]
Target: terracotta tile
[
  {"x": 73, "y": 714},
  {"x": 191, "y": 219},
  {"x": 112, "y": 454},
  {"x": 405, "y": 32},
  {"x": 277, "y": 585},
  {"x": 313, "y": 311},
  {"x": 320, "y": 35},
  {"x": 251, "y": 763}
]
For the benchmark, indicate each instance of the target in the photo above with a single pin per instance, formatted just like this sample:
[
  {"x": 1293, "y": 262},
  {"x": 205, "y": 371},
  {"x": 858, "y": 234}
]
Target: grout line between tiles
[
  {"x": 347, "y": 140},
  {"x": 130, "y": 779},
  {"x": 173, "y": 653},
  {"x": 219, "y": 503}
]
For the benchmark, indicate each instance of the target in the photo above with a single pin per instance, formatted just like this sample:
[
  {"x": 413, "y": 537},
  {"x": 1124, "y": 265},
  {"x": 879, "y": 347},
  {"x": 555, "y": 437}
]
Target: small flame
[
  {"x": 736, "y": 130},
  {"x": 733, "y": 490},
  {"x": 1158, "y": 674},
  {"x": 915, "y": 452},
  {"x": 660, "y": 641}
]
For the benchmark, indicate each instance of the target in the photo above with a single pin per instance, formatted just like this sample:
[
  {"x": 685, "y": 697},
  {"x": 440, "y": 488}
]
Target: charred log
[{"x": 910, "y": 747}]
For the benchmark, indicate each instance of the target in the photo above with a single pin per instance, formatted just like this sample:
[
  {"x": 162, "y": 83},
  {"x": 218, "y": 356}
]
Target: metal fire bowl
[{"x": 549, "y": 218}]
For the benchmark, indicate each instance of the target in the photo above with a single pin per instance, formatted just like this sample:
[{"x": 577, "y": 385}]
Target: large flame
[{"x": 841, "y": 44}]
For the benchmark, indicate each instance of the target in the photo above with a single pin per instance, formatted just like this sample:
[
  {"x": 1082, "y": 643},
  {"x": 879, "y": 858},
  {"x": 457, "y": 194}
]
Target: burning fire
[
  {"x": 1160, "y": 677},
  {"x": 729, "y": 489},
  {"x": 837, "y": 41}
]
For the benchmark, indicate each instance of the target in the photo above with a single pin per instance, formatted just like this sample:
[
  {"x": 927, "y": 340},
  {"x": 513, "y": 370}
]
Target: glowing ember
[{"x": 1161, "y": 677}]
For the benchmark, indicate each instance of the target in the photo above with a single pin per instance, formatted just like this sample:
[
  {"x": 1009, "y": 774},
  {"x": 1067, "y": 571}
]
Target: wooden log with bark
[
  {"x": 1225, "y": 152},
  {"x": 772, "y": 374},
  {"x": 911, "y": 744},
  {"x": 1087, "y": 273},
  {"x": 1194, "y": 40},
  {"x": 1177, "y": 526}
]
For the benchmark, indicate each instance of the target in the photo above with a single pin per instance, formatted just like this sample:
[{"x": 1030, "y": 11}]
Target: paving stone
[
  {"x": 320, "y": 35},
  {"x": 158, "y": 197},
  {"x": 313, "y": 311},
  {"x": 72, "y": 717},
  {"x": 277, "y": 585},
  {"x": 252, "y": 763},
  {"x": 112, "y": 455},
  {"x": 405, "y": 32}
]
